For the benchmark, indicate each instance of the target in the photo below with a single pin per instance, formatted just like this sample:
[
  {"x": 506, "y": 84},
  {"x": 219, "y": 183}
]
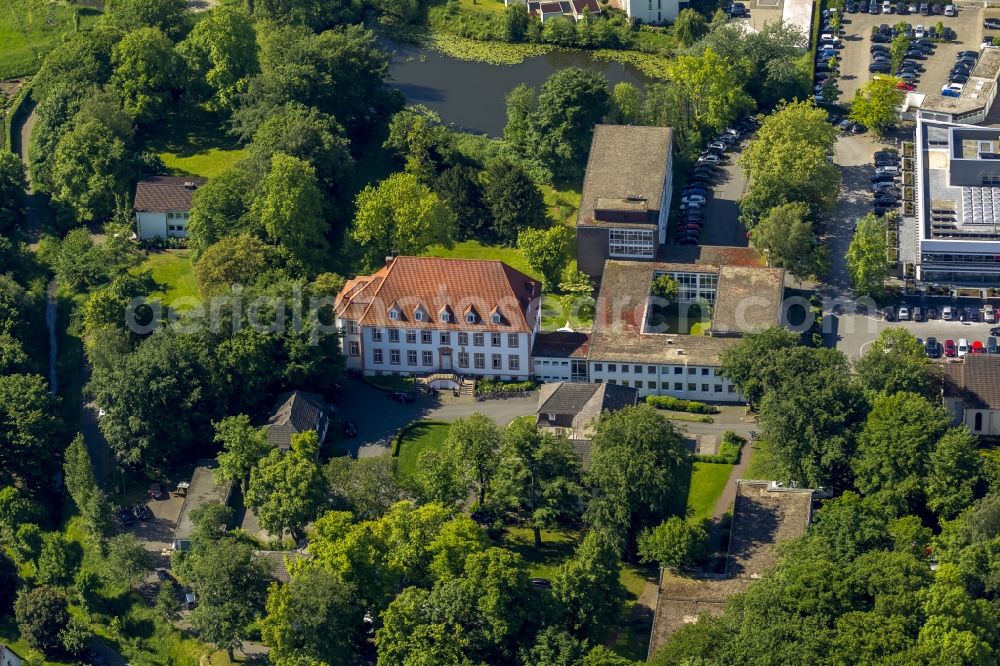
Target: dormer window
[
  {"x": 470, "y": 318},
  {"x": 394, "y": 314},
  {"x": 496, "y": 318},
  {"x": 418, "y": 315},
  {"x": 446, "y": 317}
]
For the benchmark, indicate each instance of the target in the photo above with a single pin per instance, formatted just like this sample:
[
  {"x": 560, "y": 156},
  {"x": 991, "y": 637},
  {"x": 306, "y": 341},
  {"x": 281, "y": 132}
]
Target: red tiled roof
[
  {"x": 166, "y": 193},
  {"x": 433, "y": 284}
]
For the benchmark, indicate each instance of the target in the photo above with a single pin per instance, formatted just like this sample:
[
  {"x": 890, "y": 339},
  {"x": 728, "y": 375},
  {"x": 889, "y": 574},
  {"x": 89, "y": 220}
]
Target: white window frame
[{"x": 633, "y": 243}]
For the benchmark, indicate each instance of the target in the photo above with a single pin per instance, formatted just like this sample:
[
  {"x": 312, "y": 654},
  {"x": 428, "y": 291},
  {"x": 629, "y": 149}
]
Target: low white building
[
  {"x": 652, "y": 11},
  {"x": 163, "y": 206},
  {"x": 634, "y": 345},
  {"x": 427, "y": 315},
  {"x": 971, "y": 392},
  {"x": 8, "y": 657},
  {"x": 560, "y": 356}
]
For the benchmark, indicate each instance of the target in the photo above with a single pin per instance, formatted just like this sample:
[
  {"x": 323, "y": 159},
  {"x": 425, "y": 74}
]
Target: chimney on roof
[
  {"x": 188, "y": 185},
  {"x": 388, "y": 259}
]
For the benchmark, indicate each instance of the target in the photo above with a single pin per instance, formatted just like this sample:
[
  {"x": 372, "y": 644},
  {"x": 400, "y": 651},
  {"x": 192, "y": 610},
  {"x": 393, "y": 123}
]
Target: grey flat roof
[
  {"x": 625, "y": 161},
  {"x": 203, "y": 491}
]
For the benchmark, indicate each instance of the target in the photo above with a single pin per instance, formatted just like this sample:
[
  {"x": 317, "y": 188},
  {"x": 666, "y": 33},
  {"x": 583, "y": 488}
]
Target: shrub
[
  {"x": 729, "y": 450},
  {"x": 680, "y": 405},
  {"x": 497, "y": 386}
]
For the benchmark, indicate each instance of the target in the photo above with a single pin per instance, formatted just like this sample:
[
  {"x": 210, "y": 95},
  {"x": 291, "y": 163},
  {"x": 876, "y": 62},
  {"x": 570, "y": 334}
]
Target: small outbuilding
[{"x": 163, "y": 206}]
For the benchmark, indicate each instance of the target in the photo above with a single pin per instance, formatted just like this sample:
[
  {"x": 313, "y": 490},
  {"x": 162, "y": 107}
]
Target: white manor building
[{"x": 426, "y": 315}]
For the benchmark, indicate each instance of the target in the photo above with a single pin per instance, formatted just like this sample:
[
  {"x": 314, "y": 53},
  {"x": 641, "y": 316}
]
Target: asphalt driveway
[{"x": 379, "y": 418}]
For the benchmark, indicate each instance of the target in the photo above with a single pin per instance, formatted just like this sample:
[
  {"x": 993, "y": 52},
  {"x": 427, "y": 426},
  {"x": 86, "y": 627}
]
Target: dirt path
[{"x": 728, "y": 496}]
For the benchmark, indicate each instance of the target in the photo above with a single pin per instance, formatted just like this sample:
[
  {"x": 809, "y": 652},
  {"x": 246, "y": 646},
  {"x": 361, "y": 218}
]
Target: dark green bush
[{"x": 680, "y": 405}]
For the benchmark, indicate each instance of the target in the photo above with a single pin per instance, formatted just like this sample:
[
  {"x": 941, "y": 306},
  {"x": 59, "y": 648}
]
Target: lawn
[
  {"x": 475, "y": 250},
  {"x": 421, "y": 436},
  {"x": 695, "y": 319},
  {"x": 556, "y": 312},
  {"x": 708, "y": 480},
  {"x": 193, "y": 142},
  {"x": 763, "y": 465},
  {"x": 173, "y": 273},
  {"x": 29, "y": 29},
  {"x": 563, "y": 205}
]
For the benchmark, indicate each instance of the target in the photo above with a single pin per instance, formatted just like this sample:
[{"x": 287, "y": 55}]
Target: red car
[
  {"x": 977, "y": 348},
  {"x": 903, "y": 85},
  {"x": 949, "y": 348}
]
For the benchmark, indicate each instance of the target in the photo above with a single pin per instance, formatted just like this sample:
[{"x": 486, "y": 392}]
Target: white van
[{"x": 963, "y": 347}]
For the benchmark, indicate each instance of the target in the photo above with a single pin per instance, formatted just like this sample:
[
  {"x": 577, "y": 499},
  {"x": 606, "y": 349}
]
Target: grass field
[
  {"x": 423, "y": 436},
  {"x": 708, "y": 480},
  {"x": 29, "y": 29},
  {"x": 193, "y": 142},
  {"x": 562, "y": 204},
  {"x": 173, "y": 273},
  {"x": 475, "y": 250},
  {"x": 763, "y": 465}
]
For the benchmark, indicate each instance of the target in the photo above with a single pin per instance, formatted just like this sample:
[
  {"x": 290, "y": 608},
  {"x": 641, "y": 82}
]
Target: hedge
[
  {"x": 496, "y": 386},
  {"x": 12, "y": 112},
  {"x": 679, "y": 405},
  {"x": 729, "y": 451}
]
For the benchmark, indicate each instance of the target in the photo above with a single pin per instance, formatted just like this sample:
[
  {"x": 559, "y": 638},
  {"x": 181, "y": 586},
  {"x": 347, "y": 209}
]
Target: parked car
[
  {"x": 889, "y": 169},
  {"x": 977, "y": 347},
  {"x": 155, "y": 491},
  {"x": 918, "y": 31},
  {"x": 932, "y": 348},
  {"x": 968, "y": 54},
  {"x": 853, "y": 7},
  {"x": 949, "y": 348},
  {"x": 873, "y": 7},
  {"x": 990, "y": 313},
  {"x": 987, "y": 42},
  {"x": 972, "y": 314},
  {"x": 402, "y": 397},
  {"x": 907, "y": 87},
  {"x": 879, "y": 38},
  {"x": 124, "y": 516},
  {"x": 884, "y": 178},
  {"x": 886, "y": 155},
  {"x": 948, "y": 92},
  {"x": 880, "y": 67},
  {"x": 919, "y": 314},
  {"x": 879, "y": 48},
  {"x": 991, "y": 24},
  {"x": 886, "y": 202},
  {"x": 350, "y": 428},
  {"x": 888, "y": 7},
  {"x": 695, "y": 198},
  {"x": 903, "y": 314},
  {"x": 141, "y": 512},
  {"x": 963, "y": 347},
  {"x": 991, "y": 345},
  {"x": 958, "y": 78},
  {"x": 925, "y": 9},
  {"x": 995, "y": 331}
]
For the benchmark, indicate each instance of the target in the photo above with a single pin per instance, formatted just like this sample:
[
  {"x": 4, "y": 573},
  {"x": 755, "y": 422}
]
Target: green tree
[
  {"x": 312, "y": 136},
  {"x": 41, "y": 614},
  {"x": 514, "y": 201},
  {"x": 810, "y": 415},
  {"x": 222, "y": 206},
  {"x": 29, "y": 430},
  {"x": 400, "y": 216},
  {"x": 78, "y": 471},
  {"x": 787, "y": 236},
  {"x": 128, "y": 15},
  {"x": 538, "y": 477},
  {"x": 232, "y": 261},
  {"x": 953, "y": 470},
  {"x": 867, "y": 256},
  {"x": 147, "y": 71},
  {"x": 570, "y": 103},
  {"x": 895, "y": 444},
  {"x": 312, "y": 13},
  {"x": 666, "y": 287},
  {"x": 167, "y": 603},
  {"x": 417, "y": 136},
  {"x": 13, "y": 185},
  {"x": 460, "y": 189},
  {"x": 58, "y": 560},
  {"x": 636, "y": 456},
  {"x": 546, "y": 251},
  {"x": 475, "y": 440},
  {"x": 367, "y": 487},
  {"x": 441, "y": 477},
  {"x": 877, "y": 103},
  {"x": 164, "y": 369},
  {"x": 231, "y": 583},
  {"x": 290, "y": 208},
  {"x": 89, "y": 167},
  {"x": 626, "y": 104},
  {"x": 285, "y": 491},
  {"x": 588, "y": 588},
  {"x": 786, "y": 162},
  {"x": 98, "y": 517},
  {"x": 243, "y": 447},
  {"x": 553, "y": 647},
  {"x": 689, "y": 27},
  {"x": 895, "y": 362},
  {"x": 714, "y": 88},
  {"x": 127, "y": 561},
  {"x": 313, "y": 616},
  {"x": 222, "y": 51},
  {"x": 673, "y": 543}
]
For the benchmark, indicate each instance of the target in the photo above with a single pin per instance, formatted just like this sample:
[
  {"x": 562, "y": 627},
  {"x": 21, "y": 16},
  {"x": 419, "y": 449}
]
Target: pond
[{"x": 471, "y": 95}]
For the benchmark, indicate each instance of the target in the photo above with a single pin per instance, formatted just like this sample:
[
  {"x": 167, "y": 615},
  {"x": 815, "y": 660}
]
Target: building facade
[
  {"x": 957, "y": 205},
  {"x": 163, "y": 206},
  {"x": 652, "y": 11},
  {"x": 626, "y": 196},
  {"x": 425, "y": 315}
]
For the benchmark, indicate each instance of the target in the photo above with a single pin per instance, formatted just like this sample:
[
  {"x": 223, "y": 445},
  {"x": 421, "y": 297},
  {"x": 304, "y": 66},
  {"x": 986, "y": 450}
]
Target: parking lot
[
  {"x": 855, "y": 56},
  {"x": 853, "y": 332}
]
